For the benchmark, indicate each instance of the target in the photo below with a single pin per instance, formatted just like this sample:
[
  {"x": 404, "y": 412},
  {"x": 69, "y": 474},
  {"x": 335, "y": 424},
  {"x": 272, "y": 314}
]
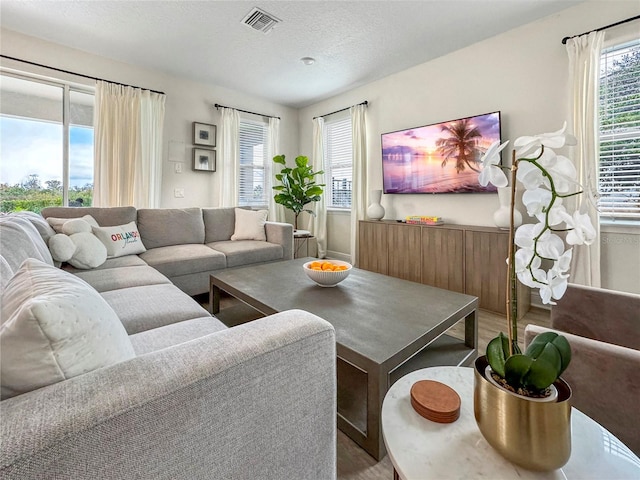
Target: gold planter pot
[{"x": 533, "y": 435}]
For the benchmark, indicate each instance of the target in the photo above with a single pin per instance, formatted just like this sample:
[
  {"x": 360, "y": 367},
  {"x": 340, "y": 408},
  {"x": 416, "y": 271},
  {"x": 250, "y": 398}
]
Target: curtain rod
[
  {"x": 564, "y": 40},
  {"x": 77, "y": 74},
  {"x": 218, "y": 106},
  {"x": 342, "y": 109}
]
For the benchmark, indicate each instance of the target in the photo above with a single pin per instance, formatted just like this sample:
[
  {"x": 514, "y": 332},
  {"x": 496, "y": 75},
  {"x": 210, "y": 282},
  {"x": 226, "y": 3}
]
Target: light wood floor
[{"x": 353, "y": 462}]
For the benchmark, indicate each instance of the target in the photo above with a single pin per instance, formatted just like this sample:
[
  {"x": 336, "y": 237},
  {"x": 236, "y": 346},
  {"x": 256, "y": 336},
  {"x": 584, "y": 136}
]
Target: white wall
[
  {"x": 522, "y": 73},
  {"x": 186, "y": 102}
]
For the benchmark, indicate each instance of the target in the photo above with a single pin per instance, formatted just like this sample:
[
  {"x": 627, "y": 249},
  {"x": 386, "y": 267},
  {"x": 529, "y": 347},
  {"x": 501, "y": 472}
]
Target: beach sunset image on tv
[{"x": 440, "y": 158}]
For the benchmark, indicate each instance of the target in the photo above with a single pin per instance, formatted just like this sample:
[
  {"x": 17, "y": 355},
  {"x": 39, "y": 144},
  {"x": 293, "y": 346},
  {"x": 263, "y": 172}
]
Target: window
[
  {"x": 619, "y": 182},
  {"x": 255, "y": 167},
  {"x": 47, "y": 154},
  {"x": 338, "y": 162}
]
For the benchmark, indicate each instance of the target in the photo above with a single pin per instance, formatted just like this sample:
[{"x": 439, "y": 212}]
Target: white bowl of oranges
[{"x": 327, "y": 273}]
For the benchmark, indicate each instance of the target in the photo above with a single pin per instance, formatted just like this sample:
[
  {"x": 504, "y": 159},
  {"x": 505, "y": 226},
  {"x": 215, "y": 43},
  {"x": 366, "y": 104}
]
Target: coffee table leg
[
  {"x": 214, "y": 299},
  {"x": 471, "y": 330}
]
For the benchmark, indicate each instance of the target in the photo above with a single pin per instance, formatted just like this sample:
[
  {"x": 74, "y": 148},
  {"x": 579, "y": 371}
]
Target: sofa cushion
[
  {"x": 178, "y": 260},
  {"x": 174, "y": 334},
  {"x": 122, "y": 277},
  {"x": 248, "y": 251},
  {"x": 20, "y": 240},
  {"x": 219, "y": 223},
  {"x": 160, "y": 227},
  {"x": 105, "y": 216},
  {"x": 54, "y": 327},
  {"x": 152, "y": 306},
  {"x": 120, "y": 240},
  {"x": 249, "y": 225},
  {"x": 126, "y": 261}
]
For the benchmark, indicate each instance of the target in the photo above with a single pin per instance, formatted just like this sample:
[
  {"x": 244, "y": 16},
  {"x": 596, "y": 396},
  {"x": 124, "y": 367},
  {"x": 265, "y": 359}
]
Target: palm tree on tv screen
[{"x": 460, "y": 145}]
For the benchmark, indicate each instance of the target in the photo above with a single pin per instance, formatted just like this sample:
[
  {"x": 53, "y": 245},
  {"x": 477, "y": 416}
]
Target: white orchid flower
[
  {"x": 563, "y": 263},
  {"x": 550, "y": 245},
  {"x": 491, "y": 173},
  {"x": 537, "y": 202},
  {"x": 563, "y": 172},
  {"x": 526, "y": 145},
  {"x": 582, "y": 231},
  {"x": 526, "y": 278},
  {"x": 524, "y": 257},
  {"x": 525, "y": 234},
  {"x": 554, "y": 286},
  {"x": 530, "y": 175}
]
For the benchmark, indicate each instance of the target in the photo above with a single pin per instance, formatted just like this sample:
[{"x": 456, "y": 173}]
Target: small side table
[
  {"x": 304, "y": 245},
  {"x": 419, "y": 448}
]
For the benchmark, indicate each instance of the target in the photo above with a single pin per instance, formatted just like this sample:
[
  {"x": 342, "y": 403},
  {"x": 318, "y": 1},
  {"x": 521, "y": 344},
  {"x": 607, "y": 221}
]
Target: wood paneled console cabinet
[{"x": 462, "y": 258}]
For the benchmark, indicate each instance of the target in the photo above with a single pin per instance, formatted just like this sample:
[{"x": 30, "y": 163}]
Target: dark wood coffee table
[{"x": 385, "y": 328}]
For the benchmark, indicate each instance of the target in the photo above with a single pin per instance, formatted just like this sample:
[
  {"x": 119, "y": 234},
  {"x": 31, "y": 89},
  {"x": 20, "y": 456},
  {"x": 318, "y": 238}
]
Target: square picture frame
[
  {"x": 204, "y": 134},
  {"x": 204, "y": 160}
]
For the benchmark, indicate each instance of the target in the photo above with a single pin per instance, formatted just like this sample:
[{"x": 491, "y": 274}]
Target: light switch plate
[{"x": 178, "y": 192}]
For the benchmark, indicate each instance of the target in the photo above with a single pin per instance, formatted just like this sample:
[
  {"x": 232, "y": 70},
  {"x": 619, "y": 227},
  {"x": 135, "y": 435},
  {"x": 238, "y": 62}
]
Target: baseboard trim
[{"x": 345, "y": 257}]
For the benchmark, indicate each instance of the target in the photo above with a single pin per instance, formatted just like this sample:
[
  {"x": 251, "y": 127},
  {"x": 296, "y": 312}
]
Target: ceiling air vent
[{"x": 260, "y": 20}]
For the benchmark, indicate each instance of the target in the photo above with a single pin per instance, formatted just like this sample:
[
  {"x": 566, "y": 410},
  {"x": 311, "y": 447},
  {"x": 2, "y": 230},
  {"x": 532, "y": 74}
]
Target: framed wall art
[
  {"x": 204, "y": 134},
  {"x": 204, "y": 160}
]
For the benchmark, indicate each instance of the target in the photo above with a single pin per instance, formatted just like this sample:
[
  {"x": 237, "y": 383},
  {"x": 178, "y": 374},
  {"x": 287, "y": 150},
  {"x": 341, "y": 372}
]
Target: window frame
[
  {"x": 67, "y": 87},
  {"x": 612, "y": 218},
  {"x": 266, "y": 168},
  {"x": 330, "y": 165}
]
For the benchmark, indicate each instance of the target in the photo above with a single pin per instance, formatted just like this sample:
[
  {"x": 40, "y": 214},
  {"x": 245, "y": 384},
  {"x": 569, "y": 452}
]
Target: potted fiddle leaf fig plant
[
  {"x": 527, "y": 390},
  {"x": 298, "y": 186}
]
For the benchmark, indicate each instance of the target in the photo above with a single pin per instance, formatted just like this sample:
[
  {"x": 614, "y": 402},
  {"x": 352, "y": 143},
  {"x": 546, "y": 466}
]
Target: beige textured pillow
[
  {"x": 250, "y": 225},
  {"x": 120, "y": 240},
  {"x": 54, "y": 326}
]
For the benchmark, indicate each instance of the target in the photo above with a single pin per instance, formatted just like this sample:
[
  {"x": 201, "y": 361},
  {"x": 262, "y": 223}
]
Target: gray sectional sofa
[{"x": 196, "y": 399}]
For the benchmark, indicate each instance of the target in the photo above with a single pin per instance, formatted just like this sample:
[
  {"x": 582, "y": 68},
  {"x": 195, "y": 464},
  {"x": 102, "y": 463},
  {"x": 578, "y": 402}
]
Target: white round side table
[{"x": 421, "y": 449}]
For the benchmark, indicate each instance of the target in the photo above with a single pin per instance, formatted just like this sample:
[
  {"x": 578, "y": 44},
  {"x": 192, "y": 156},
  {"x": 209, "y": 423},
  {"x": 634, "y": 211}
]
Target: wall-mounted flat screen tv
[{"x": 439, "y": 158}]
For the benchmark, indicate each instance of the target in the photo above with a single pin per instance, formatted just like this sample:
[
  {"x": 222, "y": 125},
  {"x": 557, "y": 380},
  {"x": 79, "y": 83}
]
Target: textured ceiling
[{"x": 353, "y": 43}]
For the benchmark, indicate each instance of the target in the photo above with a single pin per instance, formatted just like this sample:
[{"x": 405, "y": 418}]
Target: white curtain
[
  {"x": 128, "y": 125},
  {"x": 276, "y": 211},
  {"x": 319, "y": 222},
  {"x": 359, "y": 174},
  {"x": 584, "y": 70},
  {"x": 229, "y": 156}
]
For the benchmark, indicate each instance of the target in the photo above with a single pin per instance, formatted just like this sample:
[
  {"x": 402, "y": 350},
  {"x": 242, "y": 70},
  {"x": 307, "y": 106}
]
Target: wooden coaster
[{"x": 435, "y": 401}]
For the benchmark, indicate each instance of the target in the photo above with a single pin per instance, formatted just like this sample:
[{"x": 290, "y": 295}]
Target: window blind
[
  {"x": 339, "y": 162},
  {"x": 255, "y": 179},
  {"x": 619, "y": 181}
]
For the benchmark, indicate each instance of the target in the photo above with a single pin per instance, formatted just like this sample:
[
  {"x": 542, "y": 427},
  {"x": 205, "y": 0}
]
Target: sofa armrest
[
  {"x": 282, "y": 234},
  {"x": 606, "y": 315},
  {"x": 253, "y": 401},
  {"x": 603, "y": 380}
]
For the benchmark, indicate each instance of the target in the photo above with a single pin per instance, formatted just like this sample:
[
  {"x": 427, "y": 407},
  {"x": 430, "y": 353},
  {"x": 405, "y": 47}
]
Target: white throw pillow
[
  {"x": 54, "y": 326},
  {"x": 120, "y": 240},
  {"x": 250, "y": 225},
  {"x": 58, "y": 223}
]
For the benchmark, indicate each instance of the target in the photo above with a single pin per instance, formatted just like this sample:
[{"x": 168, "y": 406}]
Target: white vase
[
  {"x": 375, "y": 211},
  {"x": 502, "y": 216}
]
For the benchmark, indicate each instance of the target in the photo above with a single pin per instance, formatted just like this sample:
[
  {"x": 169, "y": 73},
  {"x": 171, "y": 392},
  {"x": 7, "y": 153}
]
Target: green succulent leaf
[
  {"x": 541, "y": 374},
  {"x": 497, "y": 353},
  {"x": 516, "y": 368}
]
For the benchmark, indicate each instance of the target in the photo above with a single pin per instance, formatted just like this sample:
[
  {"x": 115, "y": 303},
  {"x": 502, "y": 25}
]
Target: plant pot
[
  {"x": 551, "y": 398},
  {"x": 533, "y": 435}
]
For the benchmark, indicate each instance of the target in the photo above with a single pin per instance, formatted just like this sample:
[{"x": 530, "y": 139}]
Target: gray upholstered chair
[{"x": 603, "y": 328}]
